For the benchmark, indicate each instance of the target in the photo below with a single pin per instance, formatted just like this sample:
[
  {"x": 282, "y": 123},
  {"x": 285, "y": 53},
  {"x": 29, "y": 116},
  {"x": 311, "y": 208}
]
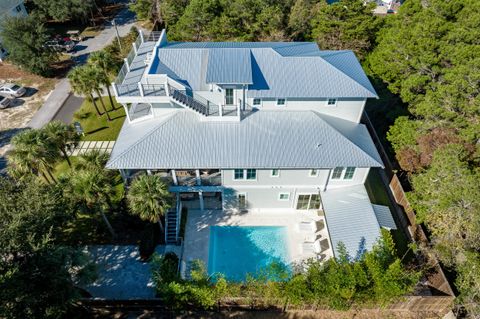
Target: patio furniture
[{"x": 306, "y": 226}]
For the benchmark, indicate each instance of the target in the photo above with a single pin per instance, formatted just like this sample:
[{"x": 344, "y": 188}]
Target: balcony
[
  {"x": 211, "y": 177},
  {"x": 186, "y": 177}
]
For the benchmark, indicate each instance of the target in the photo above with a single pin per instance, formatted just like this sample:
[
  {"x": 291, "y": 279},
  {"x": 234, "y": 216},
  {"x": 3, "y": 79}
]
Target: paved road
[
  {"x": 71, "y": 105},
  {"x": 125, "y": 19}
]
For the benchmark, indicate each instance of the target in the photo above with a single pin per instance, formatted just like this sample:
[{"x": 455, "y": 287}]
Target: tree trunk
[
  {"x": 103, "y": 104},
  {"x": 51, "y": 175},
  {"x": 109, "y": 226},
  {"x": 162, "y": 230},
  {"x": 66, "y": 157},
  {"x": 95, "y": 105},
  {"x": 110, "y": 97},
  {"x": 45, "y": 177}
]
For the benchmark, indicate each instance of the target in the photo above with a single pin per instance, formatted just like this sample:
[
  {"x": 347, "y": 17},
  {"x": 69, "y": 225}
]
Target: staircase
[
  {"x": 171, "y": 227},
  {"x": 188, "y": 101}
]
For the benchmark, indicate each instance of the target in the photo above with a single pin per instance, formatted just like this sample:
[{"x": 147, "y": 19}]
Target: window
[
  {"x": 257, "y": 102},
  {"x": 313, "y": 173},
  {"x": 349, "y": 173},
  {"x": 281, "y": 102},
  {"x": 242, "y": 200},
  {"x": 331, "y": 102},
  {"x": 308, "y": 201},
  {"x": 337, "y": 173},
  {"x": 238, "y": 174},
  {"x": 18, "y": 8},
  {"x": 275, "y": 173},
  {"x": 229, "y": 96},
  {"x": 251, "y": 174},
  {"x": 241, "y": 174},
  {"x": 284, "y": 196}
]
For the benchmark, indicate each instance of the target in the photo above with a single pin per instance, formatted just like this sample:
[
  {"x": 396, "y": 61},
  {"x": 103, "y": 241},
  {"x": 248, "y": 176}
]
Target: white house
[
  {"x": 252, "y": 134},
  {"x": 10, "y": 8}
]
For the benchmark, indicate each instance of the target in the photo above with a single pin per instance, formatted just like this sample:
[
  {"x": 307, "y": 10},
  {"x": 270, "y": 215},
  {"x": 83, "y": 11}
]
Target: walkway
[
  {"x": 88, "y": 146},
  {"x": 125, "y": 19}
]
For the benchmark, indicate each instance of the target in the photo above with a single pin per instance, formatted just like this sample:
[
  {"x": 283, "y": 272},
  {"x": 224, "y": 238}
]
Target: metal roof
[
  {"x": 264, "y": 139},
  {"x": 7, "y": 5},
  {"x": 350, "y": 219},
  {"x": 277, "y": 69},
  {"x": 384, "y": 216},
  {"x": 229, "y": 66}
]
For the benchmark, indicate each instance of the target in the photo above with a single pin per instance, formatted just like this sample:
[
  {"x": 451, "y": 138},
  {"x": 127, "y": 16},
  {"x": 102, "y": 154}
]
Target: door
[
  {"x": 308, "y": 201},
  {"x": 229, "y": 96}
]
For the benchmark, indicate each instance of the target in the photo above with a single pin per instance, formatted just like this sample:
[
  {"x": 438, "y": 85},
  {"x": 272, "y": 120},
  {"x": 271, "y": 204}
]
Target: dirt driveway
[{"x": 17, "y": 116}]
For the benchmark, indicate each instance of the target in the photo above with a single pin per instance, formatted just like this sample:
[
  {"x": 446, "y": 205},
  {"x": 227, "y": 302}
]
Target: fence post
[{"x": 126, "y": 63}]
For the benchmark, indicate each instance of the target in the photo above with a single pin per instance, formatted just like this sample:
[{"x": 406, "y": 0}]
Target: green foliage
[
  {"x": 404, "y": 133},
  {"x": 64, "y": 10},
  {"x": 24, "y": 38},
  {"x": 38, "y": 275},
  {"x": 142, "y": 9},
  {"x": 346, "y": 24}
]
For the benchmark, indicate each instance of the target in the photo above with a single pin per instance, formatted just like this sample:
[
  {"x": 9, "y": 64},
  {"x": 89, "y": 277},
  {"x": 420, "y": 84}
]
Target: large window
[
  {"x": 349, "y": 173},
  {"x": 281, "y": 102},
  {"x": 242, "y": 174},
  {"x": 337, "y": 173},
  {"x": 229, "y": 96},
  {"x": 308, "y": 201},
  {"x": 342, "y": 173}
]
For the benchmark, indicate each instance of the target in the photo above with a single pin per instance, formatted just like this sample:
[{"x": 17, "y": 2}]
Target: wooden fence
[{"x": 436, "y": 279}]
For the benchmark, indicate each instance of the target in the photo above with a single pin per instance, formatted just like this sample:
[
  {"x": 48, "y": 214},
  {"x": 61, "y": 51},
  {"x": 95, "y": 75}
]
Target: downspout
[{"x": 328, "y": 179}]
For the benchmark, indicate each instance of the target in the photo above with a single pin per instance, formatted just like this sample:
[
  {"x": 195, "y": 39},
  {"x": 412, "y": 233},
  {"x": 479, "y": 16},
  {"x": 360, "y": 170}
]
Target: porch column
[
  {"x": 197, "y": 177},
  {"x": 220, "y": 110},
  {"x": 174, "y": 177},
  {"x": 149, "y": 172},
  {"x": 328, "y": 179},
  {"x": 140, "y": 89},
  {"x": 243, "y": 97},
  {"x": 200, "y": 197},
  {"x": 126, "y": 112},
  {"x": 238, "y": 107}
]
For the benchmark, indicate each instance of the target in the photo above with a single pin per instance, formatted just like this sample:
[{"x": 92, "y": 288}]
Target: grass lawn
[
  {"x": 98, "y": 128},
  {"x": 378, "y": 195}
]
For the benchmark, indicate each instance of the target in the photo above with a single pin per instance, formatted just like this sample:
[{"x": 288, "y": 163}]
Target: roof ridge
[
  {"x": 142, "y": 138},
  {"x": 340, "y": 133},
  {"x": 343, "y": 52}
]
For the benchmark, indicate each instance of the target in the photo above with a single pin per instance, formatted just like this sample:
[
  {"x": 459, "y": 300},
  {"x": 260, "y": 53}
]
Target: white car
[
  {"x": 4, "y": 102},
  {"x": 12, "y": 90}
]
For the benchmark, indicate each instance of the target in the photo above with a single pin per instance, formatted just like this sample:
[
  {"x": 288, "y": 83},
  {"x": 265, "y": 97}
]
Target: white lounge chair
[
  {"x": 306, "y": 226},
  {"x": 311, "y": 247}
]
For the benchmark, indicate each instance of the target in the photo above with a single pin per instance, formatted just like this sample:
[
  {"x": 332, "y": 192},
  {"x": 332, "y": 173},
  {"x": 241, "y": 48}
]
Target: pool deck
[{"x": 197, "y": 232}]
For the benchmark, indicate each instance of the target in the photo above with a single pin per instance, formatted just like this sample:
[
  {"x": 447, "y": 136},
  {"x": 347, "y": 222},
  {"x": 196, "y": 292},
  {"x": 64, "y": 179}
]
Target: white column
[
  {"x": 220, "y": 109},
  {"x": 149, "y": 172},
  {"x": 134, "y": 48},
  {"x": 114, "y": 87},
  {"x": 328, "y": 179},
  {"x": 197, "y": 177},
  {"x": 140, "y": 33},
  {"x": 140, "y": 89},
  {"x": 126, "y": 111},
  {"x": 200, "y": 197},
  {"x": 174, "y": 177},
  {"x": 238, "y": 107},
  {"x": 126, "y": 62}
]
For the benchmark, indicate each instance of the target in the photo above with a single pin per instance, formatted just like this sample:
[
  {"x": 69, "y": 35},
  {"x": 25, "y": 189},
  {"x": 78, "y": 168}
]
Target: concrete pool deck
[{"x": 197, "y": 232}]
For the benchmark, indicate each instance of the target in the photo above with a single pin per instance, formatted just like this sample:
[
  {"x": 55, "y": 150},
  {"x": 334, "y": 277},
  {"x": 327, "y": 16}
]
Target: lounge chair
[{"x": 306, "y": 226}]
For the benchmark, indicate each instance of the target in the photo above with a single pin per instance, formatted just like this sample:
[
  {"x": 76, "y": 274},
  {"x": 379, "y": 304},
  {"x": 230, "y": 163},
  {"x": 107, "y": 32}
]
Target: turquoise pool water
[{"x": 237, "y": 250}]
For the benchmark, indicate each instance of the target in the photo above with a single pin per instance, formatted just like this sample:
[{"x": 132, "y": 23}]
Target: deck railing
[
  {"x": 121, "y": 74},
  {"x": 148, "y": 90}
]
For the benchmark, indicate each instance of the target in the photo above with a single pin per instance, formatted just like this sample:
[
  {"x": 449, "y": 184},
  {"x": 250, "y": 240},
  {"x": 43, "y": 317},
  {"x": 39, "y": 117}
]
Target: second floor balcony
[{"x": 191, "y": 178}]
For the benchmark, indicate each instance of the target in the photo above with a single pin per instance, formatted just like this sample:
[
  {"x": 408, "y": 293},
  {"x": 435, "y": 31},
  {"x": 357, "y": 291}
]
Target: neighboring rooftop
[
  {"x": 181, "y": 140},
  {"x": 271, "y": 69}
]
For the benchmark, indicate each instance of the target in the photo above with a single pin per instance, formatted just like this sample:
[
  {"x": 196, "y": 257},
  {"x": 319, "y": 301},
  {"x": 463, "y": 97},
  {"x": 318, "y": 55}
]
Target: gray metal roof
[
  {"x": 7, "y": 5},
  {"x": 229, "y": 66},
  {"x": 384, "y": 216},
  {"x": 350, "y": 219},
  {"x": 264, "y": 139},
  {"x": 277, "y": 69}
]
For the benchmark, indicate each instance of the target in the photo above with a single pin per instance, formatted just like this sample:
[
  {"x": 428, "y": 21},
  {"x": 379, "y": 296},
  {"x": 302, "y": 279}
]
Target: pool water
[{"x": 236, "y": 251}]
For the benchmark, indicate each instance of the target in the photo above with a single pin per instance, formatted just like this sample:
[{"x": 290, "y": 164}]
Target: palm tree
[
  {"x": 79, "y": 82},
  {"x": 149, "y": 198},
  {"x": 33, "y": 153},
  {"x": 92, "y": 160},
  {"x": 94, "y": 81},
  {"x": 93, "y": 189},
  {"x": 61, "y": 135},
  {"x": 105, "y": 61}
]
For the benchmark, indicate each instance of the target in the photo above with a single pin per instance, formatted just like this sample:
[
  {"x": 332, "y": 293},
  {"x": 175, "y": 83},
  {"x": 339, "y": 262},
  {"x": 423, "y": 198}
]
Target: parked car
[
  {"x": 12, "y": 90},
  {"x": 60, "y": 45},
  {"x": 4, "y": 102}
]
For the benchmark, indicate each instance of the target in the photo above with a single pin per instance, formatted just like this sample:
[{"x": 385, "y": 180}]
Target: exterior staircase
[
  {"x": 171, "y": 227},
  {"x": 187, "y": 101}
]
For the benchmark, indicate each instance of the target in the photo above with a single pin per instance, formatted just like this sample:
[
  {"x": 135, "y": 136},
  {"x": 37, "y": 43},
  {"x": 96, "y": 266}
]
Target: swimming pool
[{"x": 237, "y": 250}]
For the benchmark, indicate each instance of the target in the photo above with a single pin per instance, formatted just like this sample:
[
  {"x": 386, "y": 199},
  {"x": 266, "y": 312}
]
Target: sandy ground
[{"x": 16, "y": 117}]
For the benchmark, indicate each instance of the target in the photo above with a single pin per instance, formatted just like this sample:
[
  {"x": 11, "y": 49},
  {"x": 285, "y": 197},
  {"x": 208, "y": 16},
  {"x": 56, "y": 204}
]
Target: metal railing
[
  {"x": 121, "y": 74},
  {"x": 154, "y": 90},
  {"x": 153, "y": 36},
  {"x": 128, "y": 90},
  {"x": 181, "y": 97},
  {"x": 134, "y": 90},
  {"x": 131, "y": 56}
]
